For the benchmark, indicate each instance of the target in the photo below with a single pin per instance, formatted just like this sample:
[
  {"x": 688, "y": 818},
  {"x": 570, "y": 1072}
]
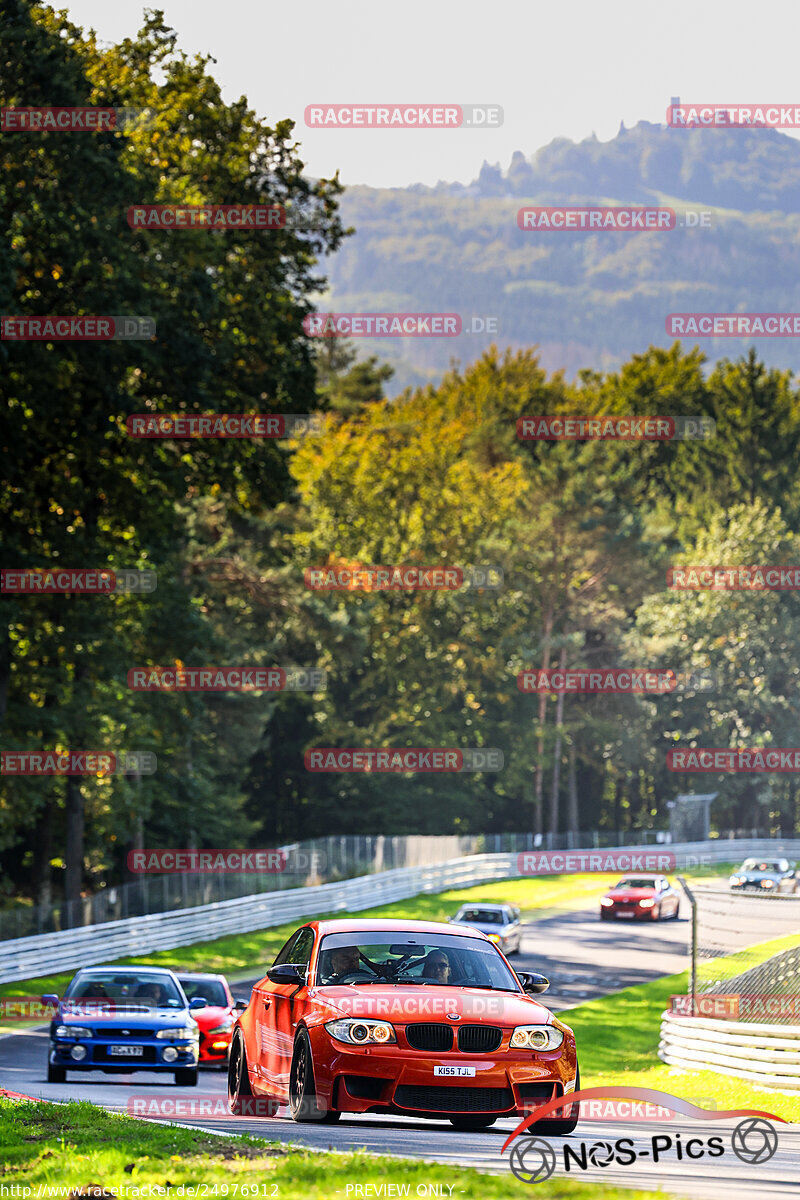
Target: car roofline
[
  {"x": 132, "y": 969},
  {"x": 393, "y": 925}
]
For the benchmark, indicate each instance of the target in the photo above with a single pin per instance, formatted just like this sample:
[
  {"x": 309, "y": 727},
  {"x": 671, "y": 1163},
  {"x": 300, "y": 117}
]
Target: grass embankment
[
  {"x": 76, "y": 1145},
  {"x": 618, "y": 1040}
]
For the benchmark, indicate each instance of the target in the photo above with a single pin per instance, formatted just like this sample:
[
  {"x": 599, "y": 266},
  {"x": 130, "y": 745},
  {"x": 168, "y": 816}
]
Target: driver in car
[
  {"x": 437, "y": 966},
  {"x": 343, "y": 960}
]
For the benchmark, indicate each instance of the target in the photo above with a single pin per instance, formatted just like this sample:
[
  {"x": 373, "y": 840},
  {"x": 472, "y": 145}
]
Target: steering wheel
[
  {"x": 462, "y": 981},
  {"x": 359, "y": 974}
]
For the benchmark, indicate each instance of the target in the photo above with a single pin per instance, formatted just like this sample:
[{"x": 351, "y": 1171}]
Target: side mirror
[
  {"x": 198, "y": 1002},
  {"x": 533, "y": 983},
  {"x": 286, "y": 973},
  {"x": 240, "y": 1004}
]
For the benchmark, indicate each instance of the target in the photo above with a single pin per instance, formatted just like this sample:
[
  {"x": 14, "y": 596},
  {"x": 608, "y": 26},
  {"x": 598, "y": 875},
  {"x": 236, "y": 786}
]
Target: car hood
[
  {"x": 632, "y": 894},
  {"x": 210, "y": 1017},
  {"x": 403, "y": 1005},
  {"x": 757, "y": 876},
  {"x": 129, "y": 1017},
  {"x": 484, "y": 928}
]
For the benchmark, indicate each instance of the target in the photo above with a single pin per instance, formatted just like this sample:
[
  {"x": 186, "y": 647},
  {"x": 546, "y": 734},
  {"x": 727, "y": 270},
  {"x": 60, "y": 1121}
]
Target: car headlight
[
  {"x": 73, "y": 1031},
  {"x": 178, "y": 1035},
  {"x": 768, "y": 883},
  {"x": 493, "y": 937},
  {"x": 736, "y": 879},
  {"x": 646, "y": 903},
  {"x": 225, "y": 1027},
  {"x": 607, "y": 902},
  {"x": 361, "y": 1033},
  {"x": 536, "y": 1037}
]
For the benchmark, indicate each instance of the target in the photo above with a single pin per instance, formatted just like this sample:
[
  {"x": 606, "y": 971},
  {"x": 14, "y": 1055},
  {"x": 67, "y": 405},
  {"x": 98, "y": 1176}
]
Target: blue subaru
[{"x": 123, "y": 1019}]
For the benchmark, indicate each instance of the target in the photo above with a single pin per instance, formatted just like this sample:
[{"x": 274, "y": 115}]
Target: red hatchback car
[
  {"x": 217, "y": 1018},
  {"x": 651, "y": 898},
  {"x": 407, "y": 1017}
]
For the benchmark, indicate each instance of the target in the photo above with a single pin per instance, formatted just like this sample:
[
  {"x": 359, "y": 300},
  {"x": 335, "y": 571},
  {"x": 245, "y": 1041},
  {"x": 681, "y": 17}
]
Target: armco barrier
[
  {"x": 29, "y": 957},
  {"x": 768, "y": 1055}
]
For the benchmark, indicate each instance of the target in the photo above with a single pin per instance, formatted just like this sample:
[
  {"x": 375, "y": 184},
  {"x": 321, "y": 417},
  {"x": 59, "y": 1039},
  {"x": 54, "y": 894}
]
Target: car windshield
[
  {"x": 752, "y": 864},
  {"x": 481, "y": 916},
  {"x": 419, "y": 959},
  {"x": 636, "y": 883},
  {"x": 212, "y": 989},
  {"x": 137, "y": 991}
]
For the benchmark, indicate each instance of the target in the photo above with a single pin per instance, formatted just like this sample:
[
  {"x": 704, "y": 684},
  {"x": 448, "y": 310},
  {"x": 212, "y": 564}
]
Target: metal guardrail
[
  {"x": 768, "y": 1055},
  {"x": 31, "y": 957},
  {"x": 308, "y": 863},
  {"x": 28, "y": 958}
]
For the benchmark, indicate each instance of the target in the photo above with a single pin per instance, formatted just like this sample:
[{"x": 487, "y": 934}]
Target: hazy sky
[{"x": 557, "y": 69}]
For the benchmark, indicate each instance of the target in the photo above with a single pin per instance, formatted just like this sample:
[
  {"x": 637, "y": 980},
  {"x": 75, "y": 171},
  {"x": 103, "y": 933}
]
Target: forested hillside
[{"x": 582, "y": 297}]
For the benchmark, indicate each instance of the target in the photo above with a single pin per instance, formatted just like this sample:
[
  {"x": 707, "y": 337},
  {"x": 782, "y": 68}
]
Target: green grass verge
[
  {"x": 618, "y": 1037},
  {"x": 75, "y": 1145},
  {"x": 244, "y": 955}
]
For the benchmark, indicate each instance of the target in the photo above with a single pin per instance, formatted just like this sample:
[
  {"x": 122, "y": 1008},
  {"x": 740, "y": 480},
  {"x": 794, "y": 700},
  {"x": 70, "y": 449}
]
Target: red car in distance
[
  {"x": 400, "y": 1017},
  {"x": 216, "y": 1020},
  {"x": 641, "y": 898}
]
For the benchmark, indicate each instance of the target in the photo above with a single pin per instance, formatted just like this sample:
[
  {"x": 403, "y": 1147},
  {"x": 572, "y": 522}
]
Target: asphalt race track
[{"x": 584, "y": 958}]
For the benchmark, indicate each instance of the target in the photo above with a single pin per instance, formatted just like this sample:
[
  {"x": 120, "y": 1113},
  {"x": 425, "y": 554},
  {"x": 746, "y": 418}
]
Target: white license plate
[
  {"x": 127, "y": 1051},
  {"x": 625, "y": 914},
  {"x": 460, "y": 1072}
]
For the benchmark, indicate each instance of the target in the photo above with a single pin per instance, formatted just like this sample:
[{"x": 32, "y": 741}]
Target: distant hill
[{"x": 587, "y": 299}]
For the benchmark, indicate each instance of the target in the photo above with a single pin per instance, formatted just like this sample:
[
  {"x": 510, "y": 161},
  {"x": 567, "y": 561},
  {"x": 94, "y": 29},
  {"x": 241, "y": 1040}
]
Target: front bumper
[
  {"x": 396, "y": 1079},
  {"x": 631, "y": 913},
  {"x": 99, "y": 1058}
]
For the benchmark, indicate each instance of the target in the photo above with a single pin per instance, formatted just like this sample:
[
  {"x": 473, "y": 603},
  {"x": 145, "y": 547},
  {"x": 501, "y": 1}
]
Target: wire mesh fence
[{"x": 747, "y": 960}]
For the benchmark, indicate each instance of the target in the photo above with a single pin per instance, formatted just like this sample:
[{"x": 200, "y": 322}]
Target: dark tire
[
  {"x": 466, "y": 1123},
  {"x": 56, "y": 1074},
  {"x": 604, "y": 916},
  {"x": 561, "y": 1127},
  {"x": 186, "y": 1077},
  {"x": 302, "y": 1089},
  {"x": 238, "y": 1078}
]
